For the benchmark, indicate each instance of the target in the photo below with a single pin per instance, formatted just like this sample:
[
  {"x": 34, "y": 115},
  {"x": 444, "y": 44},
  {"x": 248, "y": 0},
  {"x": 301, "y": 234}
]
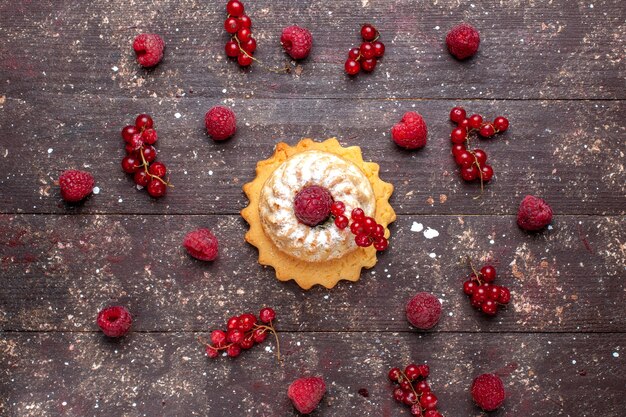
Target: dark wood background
[{"x": 69, "y": 82}]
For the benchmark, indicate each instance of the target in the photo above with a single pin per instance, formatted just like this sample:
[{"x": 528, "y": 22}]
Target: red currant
[
  {"x": 141, "y": 178},
  {"x": 341, "y": 222},
  {"x": 486, "y": 172},
  {"x": 357, "y": 214},
  {"x": 363, "y": 240},
  {"x": 369, "y": 224},
  {"x": 469, "y": 173},
  {"x": 337, "y": 208},
  {"x": 149, "y": 136},
  {"x": 156, "y": 188},
  {"x": 501, "y": 124},
  {"x": 505, "y": 295},
  {"x": 489, "y": 307},
  {"x": 211, "y": 352},
  {"x": 244, "y": 60},
  {"x": 245, "y": 21},
  {"x": 249, "y": 46},
  {"x": 488, "y": 273},
  {"x": 428, "y": 401},
  {"x": 357, "y": 228},
  {"x": 424, "y": 370},
  {"x": 352, "y": 67},
  {"x": 398, "y": 394},
  {"x": 379, "y": 231},
  {"x": 481, "y": 156},
  {"x": 231, "y": 25},
  {"x": 128, "y": 132},
  {"x": 380, "y": 244},
  {"x": 267, "y": 314},
  {"x": 487, "y": 130},
  {"x": 231, "y": 49},
  {"x": 218, "y": 337},
  {"x": 458, "y": 135},
  {"x": 233, "y": 351},
  {"x": 233, "y": 323},
  {"x": 244, "y": 34},
  {"x": 158, "y": 168},
  {"x": 493, "y": 292},
  {"x": 469, "y": 287},
  {"x": 464, "y": 159},
  {"x": 259, "y": 335},
  {"x": 416, "y": 410},
  {"x": 130, "y": 164},
  {"x": 354, "y": 53},
  {"x": 480, "y": 294},
  {"x": 367, "y": 50},
  {"x": 235, "y": 8},
  {"x": 410, "y": 398},
  {"x": 394, "y": 374},
  {"x": 149, "y": 153},
  {"x": 412, "y": 372},
  {"x": 143, "y": 121},
  {"x": 246, "y": 343},
  {"x": 379, "y": 49},
  {"x": 475, "y": 121},
  {"x": 422, "y": 387},
  {"x": 368, "y": 32},
  {"x": 458, "y": 148},
  {"x": 457, "y": 114},
  {"x": 246, "y": 322},
  {"x": 369, "y": 64},
  {"x": 234, "y": 336}
]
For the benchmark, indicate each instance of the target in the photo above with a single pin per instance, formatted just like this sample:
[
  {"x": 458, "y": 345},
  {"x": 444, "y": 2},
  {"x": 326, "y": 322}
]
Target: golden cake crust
[{"x": 328, "y": 272}]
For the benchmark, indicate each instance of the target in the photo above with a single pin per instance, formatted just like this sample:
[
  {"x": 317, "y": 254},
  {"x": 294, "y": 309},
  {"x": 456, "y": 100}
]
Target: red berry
[
  {"x": 398, "y": 394},
  {"x": 416, "y": 410},
  {"x": 341, "y": 221},
  {"x": 267, "y": 314},
  {"x": 249, "y": 46},
  {"x": 141, "y": 178},
  {"x": 246, "y": 343},
  {"x": 457, "y": 114},
  {"x": 380, "y": 244},
  {"x": 234, "y": 335},
  {"x": 379, "y": 231},
  {"x": 245, "y": 21},
  {"x": 469, "y": 287},
  {"x": 231, "y": 49},
  {"x": 128, "y": 132},
  {"x": 130, "y": 164},
  {"x": 405, "y": 385},
  {"x": 337, "y": 208},
  {"x": 244, "y": 34},
  {"x": 457, "y": 148},
  {"x": 296, "y": 41},
  {"x": 211, "y": 352},
  {"x": 306, "y": 394},
  {"x": 231, "y": 25},
  {"x": 505, "y": 295},
  {"x": 357, "y": 228},
  {"x": 458, "y": 135},
  {"x": 149, "y": 153},
  {"x": 412, "y": 372},
  {"x": 369, "y": 64},
  {"x": 148, "y": 49},
  {"x": 158, "y": 168},
  {"x": 368, "y": 32},
  {"x": 464, "y": 159},
  {"x": 357, "y": 214},
  {"x": 489, "y": 307},
  {"x": 488, "y": 273},
  {"x": 156, "y": 188},
  {"x": 75, "y": 185},
  {"x": 533, "y": 213},
  {"x": 218, "y": 337},
  {"x": 424, "y": 371},
  {"x": 469, "y": 173},
  {"x": 312, "y": 205},
  {"x": 488, "y": 392},
  {"x": 423, "y": 310},
  {"x": 379, "y": 49},
  {"x": 244, "y": 60},
  {"x": 410, "y": 398},
  {"x": 354, "y": 53},
  {"x": 363, "y": 240},
  {"x": 487, "y": 130},
  {"x": 475, "y": 121},
  {"x": 394, "y": 374},
  {"x": 428, "y": 401},
  {"x": 421, "y": 387},
  {"x": 134, "y": 144},
  {"x": 486, "y": 172},
  {"x": 233, "y": 351},
  {"x": 480, "y": 294},
  {"x": 233, "y": 322},
  {"x": 220, "y": 123},
  {"x": 246, "y": 322},
  {"x": 501, "y": 124},
  {"x": 144, "y": 121},
  {"x": 149, "y": 136},
  {"x": 464, "y": 124},
  {"x": 481, "y": 156},
  {"x": 367, "y": 50},
  {"x": 235, "y": 8},
  {"x": 203, "y": 245},
  {"x": 352, "y": 67},
  {"x": 259, "y": 335},
  {"x": 493, "y": 292},
  {"x": 369, "y": 224},
  {"x": 114, "y": 321},
  {"x": 463, "y": 41},
  {"x": 411, "y": 132}
]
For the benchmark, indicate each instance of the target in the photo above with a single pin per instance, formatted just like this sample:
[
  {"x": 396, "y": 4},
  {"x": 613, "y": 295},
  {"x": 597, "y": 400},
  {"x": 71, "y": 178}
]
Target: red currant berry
[
  {"x": 405, "y": 385},
  {"x": 149, "y": 136},
  {"x": 480, "y": 294},
  {"x": 231, "y": 25},
  {"x": 464, "y": 159},
  {"x": 356, "y": 228},
  {"x": 246, "y": 322},
  {"x": 416, "y": 410},
  {"x": 367, "y": 50},
  {"x": 505, "y": 295},
  {"x": 249, "y": 46},
  {"x": 363, "y": 240},
  {"x": 457, "y": 114},
  {"x": 233, "y": 351},
  {"x": 234, "y": 8},
  {"x": 357, "y": 214},
  {"x": 469, "y": 173},
  {"x": 424, "y": 371},
  {"x": 259, "y": 335},
  {"x": 380, "y": 244},
  {"x": 244, "y": 60},
  {"x": 130, "y": 164},
  {"x": 143, "y": 121},
  {"x": 458, "y": 148},
  {"x": 379, "y": 231},
  {"x": 493, "y": 292},
  {"x": 337, "y": 208},
  {"x": 428, "y": 401},
  {"x": 458, "y": 135},
  {"x": 158, "y": 168},
  {"x": 368, "y": 32},
  {"x": 501, "y": 124},
  {"x": 487, "y": 130},
  {"x": 245, "y": 21},
  {"x": 135, "y": 143},
  {"x": 486, "y": 172},
  {"x": 231, "y": 49},
  {"x": 481, "y": 156},
  {"x": 234, "y": 336},
  {"x": 218, "y": 337},
  {"x": 267, "y": 314},
  {"x": 422, "y": 387},
  {"x": 488, "y": 273},
  {"x": 412, "y": 372},
  {"x": 149, "y": 153},
  {"x": 354, "y": 53},
  {"x": 142, "y": 178},
  {"x": 246, "y": 343},
  {"x": 341, "y": 222},
  {"x": 394, "y": 374},
  {"x": 369, "y": 64},
  {"x": 244, "y": 34},
  {"x": 464, "y": 124},
  {"x": 469, "y": 287},
  {"x": 410, "y": 398},
  {"x": 211, "y": 352},
  {"x": 156, "y": 188},
  {"x": 233, "y": 323},
  {"x": 379, "y": 49},
  {"x": 475, "y": 120},
  {"x": 489, "y": 307},
  {"x": 128, "y": 132},
  {"x": 352, "y": 67},
  {"x": 475, "y": 302},
  {"x": 398, "y": 394},
  {"x": 369, "y": 224}
]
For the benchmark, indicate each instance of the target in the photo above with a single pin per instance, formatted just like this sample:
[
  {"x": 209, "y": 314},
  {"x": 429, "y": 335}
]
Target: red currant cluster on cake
[
  {"x": 242, "y": 45},
  {"x": 366, "y": 56},
  {"x": 484, "y": 294},
  {"x": 412, "y": 389},
  {"x": 242, "y": 333},
  {"x": 141, "y": 155},
  {"x": 365, "y": 229},
  {"x": 473, "y": 163}
]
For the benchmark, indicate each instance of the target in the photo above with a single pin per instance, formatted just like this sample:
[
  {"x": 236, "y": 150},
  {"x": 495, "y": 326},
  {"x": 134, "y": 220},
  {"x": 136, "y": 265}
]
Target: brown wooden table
[{"x": 69, "y": 82}]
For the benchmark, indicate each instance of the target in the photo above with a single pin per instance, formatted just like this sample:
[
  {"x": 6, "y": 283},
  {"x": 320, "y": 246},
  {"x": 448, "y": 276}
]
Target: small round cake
[
  {"x": 291, "y": 217},
  {"x": 344, "y": 181}
]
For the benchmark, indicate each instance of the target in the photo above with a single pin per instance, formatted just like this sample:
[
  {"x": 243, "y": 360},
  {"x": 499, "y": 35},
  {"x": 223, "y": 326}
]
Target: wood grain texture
[
  {"x": 156, "y": 374},
  {"x": 577, "y": 163},
  {"x": 560, "y": 49},
  {"x": 60, "y": 270}
]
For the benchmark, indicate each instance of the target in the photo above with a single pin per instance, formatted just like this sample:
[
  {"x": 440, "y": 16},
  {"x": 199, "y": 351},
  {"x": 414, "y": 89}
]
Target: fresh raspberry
[
  {"x": 201, "y": 244},
  {"x": 411, "y": 132},
  {"x": 533, "y": 213},
  {"x": 463, "y": 41},
  {"x": 312, "y": 205},
  {"x": 297, "y": 41},
  {"x": 306, "y": 393},
  {"x": 75, "y": 185},
  {"x": 488, "y": 391},
  {"x": 114, "y": 321},
  {"x": 220, "y": 122},
  {"x": 149, "y": 49},
  {"x": 423, "y": 310}
]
